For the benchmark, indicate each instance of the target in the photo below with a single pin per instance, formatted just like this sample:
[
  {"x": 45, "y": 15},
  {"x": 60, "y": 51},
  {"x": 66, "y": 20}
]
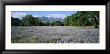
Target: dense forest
[{"x": 81, "y": 18}]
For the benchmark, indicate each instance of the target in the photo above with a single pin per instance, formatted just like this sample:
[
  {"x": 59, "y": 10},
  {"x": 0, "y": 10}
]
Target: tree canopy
[
  {"x": 80, "y": 18},
  {"x": 83, "y": 18}
]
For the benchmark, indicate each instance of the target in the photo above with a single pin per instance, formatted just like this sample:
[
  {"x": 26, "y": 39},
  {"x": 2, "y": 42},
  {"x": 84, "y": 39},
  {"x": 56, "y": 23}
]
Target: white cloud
[
  {"x": 18, "y": 14},
  {"x": 57, "y": 15}
]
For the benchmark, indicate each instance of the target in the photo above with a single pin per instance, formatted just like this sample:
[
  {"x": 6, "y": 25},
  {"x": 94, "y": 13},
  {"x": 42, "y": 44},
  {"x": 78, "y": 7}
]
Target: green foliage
[
  {"x": 83, "y": 18},
  {"x": 57, "y": 23},
  {"x": 80, "y": 18},
  {"x": 15, "y": 21},
  {"x": 29, "y": 20}
]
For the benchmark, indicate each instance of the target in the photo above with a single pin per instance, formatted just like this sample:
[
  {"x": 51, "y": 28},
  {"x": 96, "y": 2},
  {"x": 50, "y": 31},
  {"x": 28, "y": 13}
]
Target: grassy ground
[{"x": 54, "y": 34}]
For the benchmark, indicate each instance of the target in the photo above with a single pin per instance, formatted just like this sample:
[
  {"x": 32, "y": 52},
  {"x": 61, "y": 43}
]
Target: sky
[{"x": 54, "y": 14}]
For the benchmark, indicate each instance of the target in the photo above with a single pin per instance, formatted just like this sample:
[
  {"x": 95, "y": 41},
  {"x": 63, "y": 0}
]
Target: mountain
[
  {"x": 43, "y": 19},
  {"x": 15, "y": 21},
  {"x": 50, "y": 19}
]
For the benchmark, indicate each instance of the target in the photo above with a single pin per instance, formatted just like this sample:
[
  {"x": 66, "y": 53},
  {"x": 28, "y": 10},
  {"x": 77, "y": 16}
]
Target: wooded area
[{"x": 81, "y": 18}]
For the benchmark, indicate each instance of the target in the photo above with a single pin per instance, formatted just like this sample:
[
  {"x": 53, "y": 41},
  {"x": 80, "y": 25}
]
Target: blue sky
[{"x": 55, "y": 14}]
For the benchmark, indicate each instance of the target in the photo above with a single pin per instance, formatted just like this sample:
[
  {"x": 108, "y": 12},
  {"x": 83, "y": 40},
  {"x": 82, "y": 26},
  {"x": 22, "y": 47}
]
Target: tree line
[
  {"x": 29, "y": 20},
  {"x": 83, "y": 18},
  {"x": 80, "y": 18}
]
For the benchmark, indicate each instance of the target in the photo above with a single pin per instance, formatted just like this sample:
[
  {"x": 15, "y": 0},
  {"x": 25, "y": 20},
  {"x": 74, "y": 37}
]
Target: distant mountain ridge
[
  {"x": 15, "y": 21},
  {"x": 43, "y": 19},
  {"x": 50, "y": 19}
]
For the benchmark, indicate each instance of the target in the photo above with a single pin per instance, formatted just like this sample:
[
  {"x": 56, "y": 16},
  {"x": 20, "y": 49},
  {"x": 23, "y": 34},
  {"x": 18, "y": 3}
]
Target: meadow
[{"x": 54, "y": 34}]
